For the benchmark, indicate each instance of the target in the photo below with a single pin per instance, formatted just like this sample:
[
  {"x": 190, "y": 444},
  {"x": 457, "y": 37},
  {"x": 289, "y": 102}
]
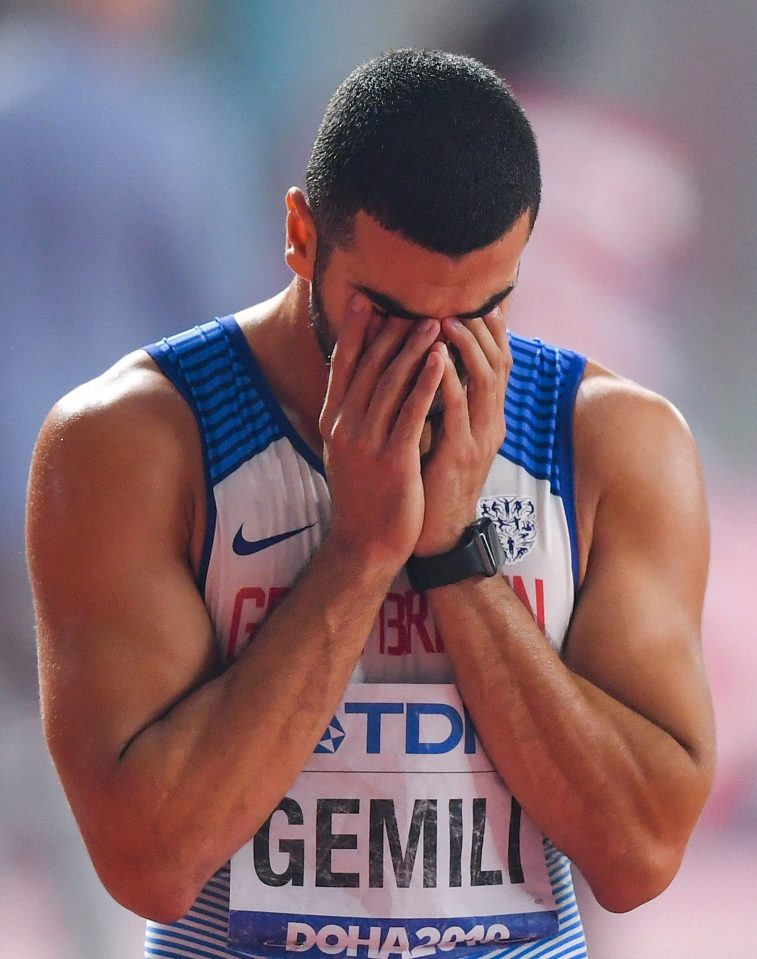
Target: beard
[
  {"x": 322, "y": 328},
  {"x": 326, "y": 339}
]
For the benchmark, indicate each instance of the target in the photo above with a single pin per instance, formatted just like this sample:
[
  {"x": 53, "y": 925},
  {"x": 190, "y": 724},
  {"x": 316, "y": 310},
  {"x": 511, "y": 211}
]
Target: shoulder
[
  {"x": 131, "y": 404},
  {"x": 634, "y": 452},
  {"x": 126, "y": 436},
  {"x": 616, "y": 418}
]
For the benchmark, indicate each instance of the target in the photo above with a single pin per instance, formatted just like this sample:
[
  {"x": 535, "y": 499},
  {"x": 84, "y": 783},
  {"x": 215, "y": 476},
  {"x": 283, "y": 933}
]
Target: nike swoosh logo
[{"x": 246, "y": 547}]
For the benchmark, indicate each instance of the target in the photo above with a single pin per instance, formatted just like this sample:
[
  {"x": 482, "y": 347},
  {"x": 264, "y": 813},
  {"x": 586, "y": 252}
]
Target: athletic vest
[{"x": 268, "y": 510}]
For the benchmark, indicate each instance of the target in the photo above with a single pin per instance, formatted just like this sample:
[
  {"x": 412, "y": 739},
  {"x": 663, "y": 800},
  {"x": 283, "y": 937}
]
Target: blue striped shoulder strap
[
  {"x": 541, "y": 394},
  {"x": 539, "y": 404},
  {"x": 238, "y": 416}
]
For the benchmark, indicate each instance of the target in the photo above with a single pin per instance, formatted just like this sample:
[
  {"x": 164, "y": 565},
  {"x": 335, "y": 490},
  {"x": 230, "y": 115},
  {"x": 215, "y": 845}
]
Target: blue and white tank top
[{"x": 268, "y": 509}]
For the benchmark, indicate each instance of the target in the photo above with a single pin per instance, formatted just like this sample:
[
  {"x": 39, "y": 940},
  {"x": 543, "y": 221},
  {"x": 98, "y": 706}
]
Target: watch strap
[{"x": 479, "y": 553}]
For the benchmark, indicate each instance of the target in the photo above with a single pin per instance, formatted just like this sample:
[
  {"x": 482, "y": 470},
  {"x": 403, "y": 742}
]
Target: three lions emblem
[{"x": 515, "y": 519}]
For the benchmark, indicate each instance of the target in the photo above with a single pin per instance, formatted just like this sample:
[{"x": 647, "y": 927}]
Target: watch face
[
  {"x": 490, "y": 549},
  {"x": 479, "y": 553}
]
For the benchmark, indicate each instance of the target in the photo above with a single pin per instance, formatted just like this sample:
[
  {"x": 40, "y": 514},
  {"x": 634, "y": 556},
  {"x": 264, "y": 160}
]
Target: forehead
[{"x": 424, "y": 282}]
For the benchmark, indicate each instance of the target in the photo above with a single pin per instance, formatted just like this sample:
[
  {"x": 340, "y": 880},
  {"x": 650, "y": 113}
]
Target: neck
[{"x": 285, "y": 346}]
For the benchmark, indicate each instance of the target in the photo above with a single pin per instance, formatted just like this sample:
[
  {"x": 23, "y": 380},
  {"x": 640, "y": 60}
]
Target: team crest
[{"x": 515, "y": 519}]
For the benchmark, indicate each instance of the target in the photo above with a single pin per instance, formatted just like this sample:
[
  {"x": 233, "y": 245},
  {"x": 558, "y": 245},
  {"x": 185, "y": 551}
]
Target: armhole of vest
[
  {"x": 573, "y": 365},
  {"x": 162, "y": 354},
  {"x": 258, "y": 380}
]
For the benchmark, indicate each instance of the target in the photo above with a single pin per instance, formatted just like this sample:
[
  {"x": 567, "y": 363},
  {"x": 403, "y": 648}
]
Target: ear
[{"x": 301, "y": 238}]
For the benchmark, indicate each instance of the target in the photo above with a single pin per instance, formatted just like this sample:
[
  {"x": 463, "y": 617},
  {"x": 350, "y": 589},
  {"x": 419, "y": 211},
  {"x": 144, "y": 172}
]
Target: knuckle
[
  {"x": 325, "y": 429},
  {"x": 339, "y": 435},
  {"x": 489, "y": 380},
  {"x": 456, "y": 401}
]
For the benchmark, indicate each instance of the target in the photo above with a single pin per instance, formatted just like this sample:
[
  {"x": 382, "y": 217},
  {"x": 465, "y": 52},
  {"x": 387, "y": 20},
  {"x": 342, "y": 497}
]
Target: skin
[{"x": 609, "y": 748}]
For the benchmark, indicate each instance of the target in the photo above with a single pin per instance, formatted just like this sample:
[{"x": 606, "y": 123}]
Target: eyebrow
[{"x": 391, "y": 306}]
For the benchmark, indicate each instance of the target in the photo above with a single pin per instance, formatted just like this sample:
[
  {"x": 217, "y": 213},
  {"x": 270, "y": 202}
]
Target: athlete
[{"x": 366, "y": 507}]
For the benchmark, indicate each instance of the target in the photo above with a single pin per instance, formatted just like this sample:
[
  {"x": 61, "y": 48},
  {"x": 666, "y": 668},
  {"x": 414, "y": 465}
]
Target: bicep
[
  {"x": 635, "y": 632},
  {"x": 122, "y": 630}
]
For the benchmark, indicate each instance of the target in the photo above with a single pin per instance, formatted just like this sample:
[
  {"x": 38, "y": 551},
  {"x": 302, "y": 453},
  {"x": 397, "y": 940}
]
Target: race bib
[{"x": 398, "y": 840}]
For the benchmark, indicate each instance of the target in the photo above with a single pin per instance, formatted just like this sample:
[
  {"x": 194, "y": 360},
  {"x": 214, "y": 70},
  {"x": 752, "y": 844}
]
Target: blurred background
[{"x": 145, "y": 148}]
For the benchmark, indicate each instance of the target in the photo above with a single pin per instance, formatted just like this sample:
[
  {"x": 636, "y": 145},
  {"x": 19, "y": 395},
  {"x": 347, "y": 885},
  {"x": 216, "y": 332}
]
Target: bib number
[{"x": 398, "y": 839}]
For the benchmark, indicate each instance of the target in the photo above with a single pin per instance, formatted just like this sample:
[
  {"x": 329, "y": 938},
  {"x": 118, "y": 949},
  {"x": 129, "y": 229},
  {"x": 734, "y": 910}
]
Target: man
[{"x": 264, "y": 527}]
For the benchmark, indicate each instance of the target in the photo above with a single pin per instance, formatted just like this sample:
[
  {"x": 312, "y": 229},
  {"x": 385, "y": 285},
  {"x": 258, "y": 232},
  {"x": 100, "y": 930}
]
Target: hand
[
  {"x": 472, "y": 429},
  {"x": 381, "y": 384}
]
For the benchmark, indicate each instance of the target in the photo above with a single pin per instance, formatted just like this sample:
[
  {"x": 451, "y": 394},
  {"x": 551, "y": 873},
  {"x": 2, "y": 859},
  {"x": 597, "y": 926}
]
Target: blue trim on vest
[
  {"x": 237, "y": 419},
  {"x": 163, "y": 355},
  {"x": 573, "y": 366},
  {"x": 257, "y": 376},
  {"x": 541, "y": 393},
  {"x": 234, "y": 420}
]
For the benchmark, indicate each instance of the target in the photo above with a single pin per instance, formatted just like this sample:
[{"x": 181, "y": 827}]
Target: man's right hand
[{"x": 379, "y": 393}]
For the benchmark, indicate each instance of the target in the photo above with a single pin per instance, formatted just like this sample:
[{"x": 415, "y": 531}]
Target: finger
[
  {"x": 411, "y": 419},
  {"x": 484, "y": 337},
  {"x": 465, "y": 338},
  {"x": 456, "y": 419},
  {"x": 503, "y": 361},
  {"x": 486, "y": 377},
  {"x": 374, "y": 327},
  {"x": 345, "y": 356},
  {"x": 398, "y": 378},
  {"x": 496, "y": 325},
  {"x": 374, "y": 361}
]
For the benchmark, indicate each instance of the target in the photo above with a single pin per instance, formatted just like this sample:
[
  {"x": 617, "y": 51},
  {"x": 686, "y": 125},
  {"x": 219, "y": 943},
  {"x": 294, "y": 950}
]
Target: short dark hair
[{"x": 430, "y": 144}]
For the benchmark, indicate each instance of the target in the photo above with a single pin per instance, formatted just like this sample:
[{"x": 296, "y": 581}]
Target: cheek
[{"x": 335, "y": 293}]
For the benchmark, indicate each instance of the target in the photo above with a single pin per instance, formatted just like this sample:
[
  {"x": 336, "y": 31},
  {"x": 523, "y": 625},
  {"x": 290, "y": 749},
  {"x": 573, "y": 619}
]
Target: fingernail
[
  {"x": 455, "y": 322},
  {"x": 425, "y": 326}
]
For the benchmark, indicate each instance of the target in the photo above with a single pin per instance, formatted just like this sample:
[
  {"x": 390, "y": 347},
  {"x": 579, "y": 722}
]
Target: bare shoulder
[
  {"x": 633, "y": 447},
  {"x": 127, "y": 428},
  {"x": 117, "y": 461},
  {"x": 615, "y": 416},
  {"x": 131, "y": 400}
]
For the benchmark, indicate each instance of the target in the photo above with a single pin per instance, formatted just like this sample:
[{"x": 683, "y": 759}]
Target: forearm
[
  {"x": 613, "y": 790},
  {"x": 193, "y": 786}
]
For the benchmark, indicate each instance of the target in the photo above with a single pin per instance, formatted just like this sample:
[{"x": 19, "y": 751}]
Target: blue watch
[{"x": 479, "y": 553}]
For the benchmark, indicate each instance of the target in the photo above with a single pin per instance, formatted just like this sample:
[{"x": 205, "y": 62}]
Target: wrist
[
  {"x": 478, "y": 552},
  {"x": 363, "y": 561},
  {"x": 442, "y": 541}
]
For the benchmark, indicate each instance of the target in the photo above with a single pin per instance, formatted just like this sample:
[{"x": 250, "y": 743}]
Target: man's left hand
[{"x": 471, "y": 431}]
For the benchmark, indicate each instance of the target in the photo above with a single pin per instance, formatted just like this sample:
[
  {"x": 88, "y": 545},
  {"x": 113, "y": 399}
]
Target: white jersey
[{"x": 268, "y": 509}]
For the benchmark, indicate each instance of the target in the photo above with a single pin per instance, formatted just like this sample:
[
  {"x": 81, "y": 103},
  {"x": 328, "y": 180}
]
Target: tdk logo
[
  {"x": 331, "y": 740},
  {"x": 423, "y": 728}
]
